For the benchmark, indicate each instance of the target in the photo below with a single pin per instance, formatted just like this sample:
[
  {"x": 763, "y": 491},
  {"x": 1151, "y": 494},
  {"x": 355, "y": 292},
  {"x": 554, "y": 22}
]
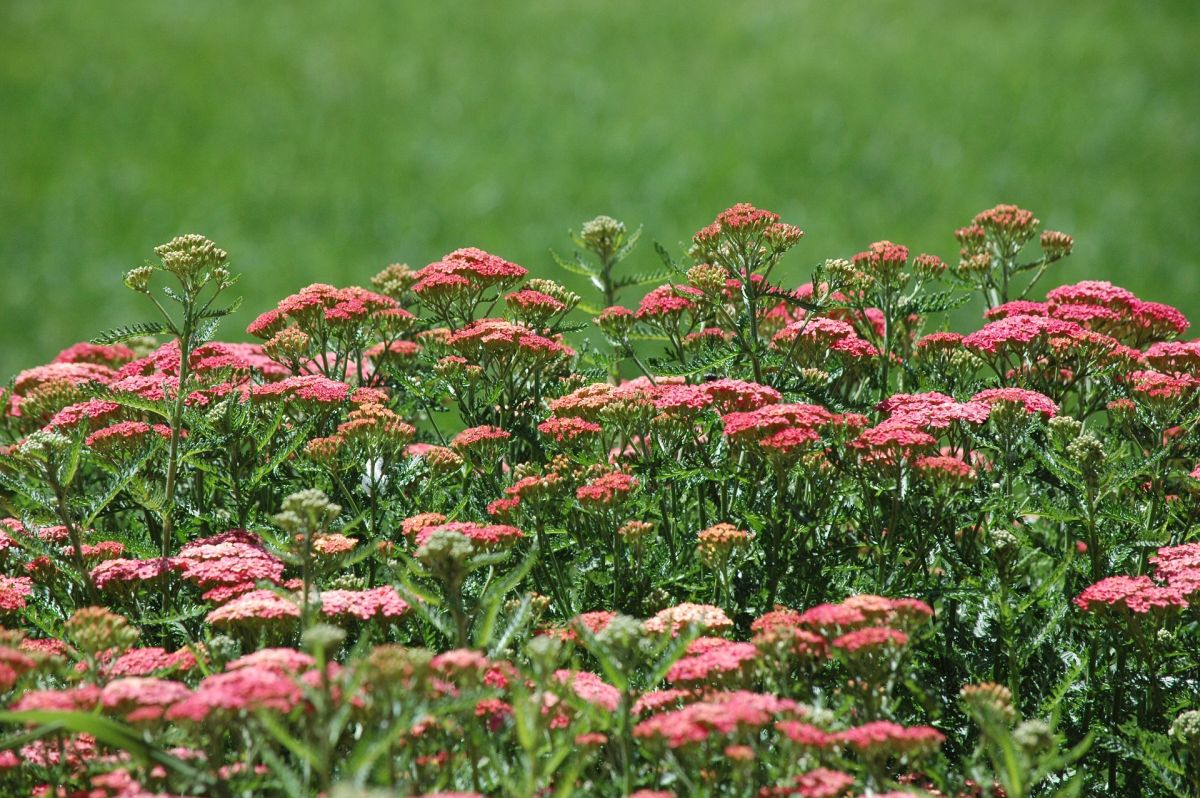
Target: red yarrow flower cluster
[{"x": 485, "y": 536}]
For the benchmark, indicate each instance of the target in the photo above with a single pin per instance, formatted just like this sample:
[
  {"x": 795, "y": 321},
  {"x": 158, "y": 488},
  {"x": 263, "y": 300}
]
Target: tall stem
[{"x": 185, "y": 354}]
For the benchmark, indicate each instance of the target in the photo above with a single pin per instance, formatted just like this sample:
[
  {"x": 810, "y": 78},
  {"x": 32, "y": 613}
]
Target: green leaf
[
  {"x": 280, "y": 769},
  {"x": 668, "y": 261},
  {"x": 515, "y": 623},
  {"x": 119, "y": 334},
  {"x": 298, "y": 438},
  {"x": 219, "y": 313},
  {"x": 285, "y": 738},
  {"x": 155, "y": 407},
  {"x": 630, "y": 242},
  {"x": 576, "y": 266},
  {"x": 131, "y": 472},
  {"x": 644, "y": 278},
  {"x": 708, "y": 361}
]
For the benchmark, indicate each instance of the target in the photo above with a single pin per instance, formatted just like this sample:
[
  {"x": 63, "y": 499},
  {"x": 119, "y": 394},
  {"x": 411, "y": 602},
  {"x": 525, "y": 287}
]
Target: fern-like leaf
[{"x": 120, "y": 334}]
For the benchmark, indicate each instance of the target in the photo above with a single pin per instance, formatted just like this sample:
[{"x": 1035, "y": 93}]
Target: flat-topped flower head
[
  {"x": 668, "y": 301},
  {"x": 606, "y": 490},
  {"x": 722, "y": 663},
  {"x": 1137, "y": 594},
  {"x": 483, "y": 536},
  {"x": 718, "y": 716},
  {"x": 675, "y": 619},
  {"x": 884, "y": 736},
  {"x": 1030, "y": 402}
]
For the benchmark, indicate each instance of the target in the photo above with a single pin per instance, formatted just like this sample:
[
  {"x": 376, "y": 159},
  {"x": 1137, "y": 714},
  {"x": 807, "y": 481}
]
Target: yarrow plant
[{"x": 470, "y": 533}]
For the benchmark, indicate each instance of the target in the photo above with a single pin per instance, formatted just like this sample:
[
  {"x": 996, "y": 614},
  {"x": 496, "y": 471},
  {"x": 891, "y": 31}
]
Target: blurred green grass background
[{"x": 321, "y": 141}]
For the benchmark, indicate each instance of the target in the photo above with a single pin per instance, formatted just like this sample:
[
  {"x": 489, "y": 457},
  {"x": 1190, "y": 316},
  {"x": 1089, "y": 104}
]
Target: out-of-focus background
[{"x": 322, "y": 141}]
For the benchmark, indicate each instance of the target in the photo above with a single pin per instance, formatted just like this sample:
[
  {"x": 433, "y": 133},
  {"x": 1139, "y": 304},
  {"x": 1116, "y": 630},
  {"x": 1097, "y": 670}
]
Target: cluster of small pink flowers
[
  {"x": 944, "y": 469},
  {"x": 1008, "y": 219},
  {"x": 130, "y": 572},
  {"x": 1160, "y": 388},
  {"x": 887, "y": 737},
  {"x": 380, "y": 602},
  {"x": 93, "y": 412},
  {"x": 479, "y": 436},
  {"x": 148, "y": 661},
  {"x": 809, "y": 338},
  {"x": 1031, "y": 402},
  {"x": 235, "y": 557},
  {"x": 568, "y": 428},
  {"x": 496, "y": 338},
  {"x": 13, "y": 592},
  {"x": 485, "y": 536},
  {"x": 1179, "y": 567},
  {"x": 469, "y": 264},
  {"x": 1137, "y": 594},
  {"x": 1018, "y": 333},
  {"x": 931, "y": 411},
  {"x": 738, "y": 396},
  {"x": 591, "y": 688},
  {"x": 719, "y": 715},
  {"x": 606, "y": 490},
  {"x": 890, "y": 443},
  {"x": 668, "y": 301},
  {"x": 816, "y": 783},
  {"x": 673, "y": 620},
  {"x": 333, "y": 544},
  {"x": 756, "y": 426},
  {"x": 870, "y": 638},
  {"x": 125, "y": 434},
  {"x": 534, "y": 303},
  {"x": 100, "y": 354},
  {"x": 73, "y": 373},
  {"x": 712, "y": 661},
  {"x": 254, "y": 607},
  {"x": 243, "y": 688},
  {"x": 141, "y": 698},
  {"x": 320, "y": 303},
  {"x": 311, "y": 389}
]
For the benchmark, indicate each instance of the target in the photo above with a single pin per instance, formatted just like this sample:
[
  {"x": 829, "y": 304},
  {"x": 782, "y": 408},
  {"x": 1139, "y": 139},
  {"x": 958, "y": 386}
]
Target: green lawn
[{"x": 319, "y": 142}]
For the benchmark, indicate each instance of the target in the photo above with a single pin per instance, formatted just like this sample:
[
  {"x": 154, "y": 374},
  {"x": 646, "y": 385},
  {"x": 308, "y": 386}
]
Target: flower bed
[{"x": 441, "y": 536}]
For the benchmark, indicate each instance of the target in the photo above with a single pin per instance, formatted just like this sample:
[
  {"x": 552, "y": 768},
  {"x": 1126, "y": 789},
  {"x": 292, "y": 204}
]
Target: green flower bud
[
  {"x": 190, "y": 256},
  {"x": 603, "y": 235},
  {"x": 139, "y": 279}
]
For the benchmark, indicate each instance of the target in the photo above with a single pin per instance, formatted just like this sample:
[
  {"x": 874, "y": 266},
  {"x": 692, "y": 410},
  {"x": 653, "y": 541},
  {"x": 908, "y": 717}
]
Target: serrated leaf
[
  {"x": 668, "y": 261},
  {"x": 577, "y": 266},
  {"x": 119, "y": 334},
  {"x": 219, "y": 313},
  {"x": 704, "y": 363},
  {"x": 644, "y": 278}
]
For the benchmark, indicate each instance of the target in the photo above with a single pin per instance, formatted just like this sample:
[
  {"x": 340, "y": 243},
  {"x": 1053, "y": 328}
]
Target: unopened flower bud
[
  {"x": 979, "y": 263},
  {"x": 1087, "y": 452},
  {"x": 323, "y": 637},
  {"x": 394, "y": 280},
  {"x": 139, "y": 279},
  {"x": 707, "y": 277},
  {"x": 190, "y": 255},
  {"x": 1057, "y": 245},
  {"x": 603, "y": 235},
  {"x": 1034, "y": 737}
]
